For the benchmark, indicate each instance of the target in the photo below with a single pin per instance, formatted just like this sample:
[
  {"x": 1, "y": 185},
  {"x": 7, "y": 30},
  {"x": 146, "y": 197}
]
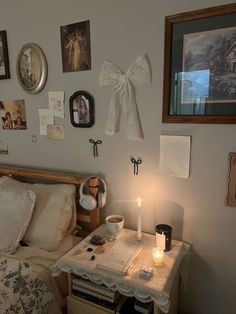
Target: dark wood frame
[
  {"x": 3, "y": 35},
  {"x": 230, "y": 199},
  {"x": 91, "y": 109},
  {"x": 169, "y": 23}
]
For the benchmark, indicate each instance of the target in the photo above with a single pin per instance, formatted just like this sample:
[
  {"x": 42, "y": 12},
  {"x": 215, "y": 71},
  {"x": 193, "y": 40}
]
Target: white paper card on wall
[
  {"x": 56, "y": 103},
  {"x": 45, "y": 118},
  {"x": 3, "y": 147},
  {"x": 55, "y": 132},
  {"x": 175, "y": 155}
]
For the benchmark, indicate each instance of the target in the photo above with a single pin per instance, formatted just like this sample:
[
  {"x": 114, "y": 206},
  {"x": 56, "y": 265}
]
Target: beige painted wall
[{"x": 120, "y": 32}]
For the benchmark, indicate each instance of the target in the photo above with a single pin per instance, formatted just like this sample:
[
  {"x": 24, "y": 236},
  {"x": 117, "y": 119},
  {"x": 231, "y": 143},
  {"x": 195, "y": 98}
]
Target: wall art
[
  {"x": 230, "y": 199},
  {"x": 56, "y": 103},
  {"x": 81, "y": 110},
  {"x": 138, "y": 73},
  {"x": 200, "y": 66},
  {"x": 136, "y": 163},
  {"x": 95, "y": 146},
  {"x": 4, "y": 60},
  {"x": 3, "y": 147},
  {"x": 55, "y": 131},
  {"x": 75, "y": 47},
  {"x": 13, "y": 115},
  {"x": 31, "y": 68}
]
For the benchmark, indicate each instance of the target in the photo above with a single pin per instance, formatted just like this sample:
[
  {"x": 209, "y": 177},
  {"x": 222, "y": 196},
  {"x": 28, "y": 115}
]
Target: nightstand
[{"x": 162, "y": 287}]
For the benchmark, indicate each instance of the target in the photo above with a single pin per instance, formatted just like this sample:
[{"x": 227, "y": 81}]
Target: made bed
[{"x": 39, "y": 212}]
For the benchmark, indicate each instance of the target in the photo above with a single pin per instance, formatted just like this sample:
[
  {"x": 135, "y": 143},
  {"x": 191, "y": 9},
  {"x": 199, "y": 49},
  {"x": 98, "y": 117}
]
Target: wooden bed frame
[{"x": 88, "y": 220}]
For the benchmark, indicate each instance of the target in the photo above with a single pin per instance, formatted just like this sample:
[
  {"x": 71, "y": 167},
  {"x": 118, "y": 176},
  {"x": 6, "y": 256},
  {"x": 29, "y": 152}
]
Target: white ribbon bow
[{"x": 138, "y": 73}]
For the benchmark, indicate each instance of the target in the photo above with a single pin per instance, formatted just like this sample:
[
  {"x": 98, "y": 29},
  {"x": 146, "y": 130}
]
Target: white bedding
[{"x": 40, "y": 261}]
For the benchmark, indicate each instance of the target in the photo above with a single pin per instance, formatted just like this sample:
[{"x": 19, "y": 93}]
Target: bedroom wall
[{"x": 120, "y": 32}]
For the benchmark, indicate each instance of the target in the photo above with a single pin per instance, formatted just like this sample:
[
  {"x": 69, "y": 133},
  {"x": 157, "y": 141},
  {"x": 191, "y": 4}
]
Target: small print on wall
[
  {"x": 13, "y": 114},
  {"x": 3, "y": 147},
  {"x": 75, "y": 47}
]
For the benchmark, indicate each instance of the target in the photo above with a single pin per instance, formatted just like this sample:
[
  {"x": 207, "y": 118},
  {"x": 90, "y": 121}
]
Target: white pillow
[
  {"x": 53, "y": 213},
  {"x": 16, "y": 208}
]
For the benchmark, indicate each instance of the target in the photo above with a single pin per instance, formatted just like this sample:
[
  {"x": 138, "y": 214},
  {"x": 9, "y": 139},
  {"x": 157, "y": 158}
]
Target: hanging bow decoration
[
  {"x": 124, "y": 96},
  {"x": 95, "y": 146},
  {"x": 136, "y": 164}
]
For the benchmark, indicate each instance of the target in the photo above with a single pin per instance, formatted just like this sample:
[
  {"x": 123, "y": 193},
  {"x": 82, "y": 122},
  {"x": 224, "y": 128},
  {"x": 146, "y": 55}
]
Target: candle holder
[{"x": 157, "y": 256}]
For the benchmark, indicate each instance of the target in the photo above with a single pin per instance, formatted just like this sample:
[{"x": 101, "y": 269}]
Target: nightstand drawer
[{"x": 75, "y": 305}]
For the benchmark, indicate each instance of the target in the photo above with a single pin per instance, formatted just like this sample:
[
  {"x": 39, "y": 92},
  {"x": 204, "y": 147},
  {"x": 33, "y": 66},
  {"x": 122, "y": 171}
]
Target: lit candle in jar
[
  {"x": 139, "y": 229},
  {"x": 157, "y": 256}
]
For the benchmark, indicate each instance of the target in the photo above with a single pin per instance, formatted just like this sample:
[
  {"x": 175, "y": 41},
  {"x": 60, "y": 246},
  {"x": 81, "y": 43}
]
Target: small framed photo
[
  {"x": 81, "y": 110},
  {"x": 31, "y": 68},
  {"x": 4, "y": 61}
]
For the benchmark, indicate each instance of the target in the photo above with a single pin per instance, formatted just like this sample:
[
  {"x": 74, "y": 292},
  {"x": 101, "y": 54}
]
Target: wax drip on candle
[{"x": 139, "y": 229}]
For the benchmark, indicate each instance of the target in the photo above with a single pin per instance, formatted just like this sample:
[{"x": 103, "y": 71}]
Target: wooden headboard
[{"x": 88, "y": 220}]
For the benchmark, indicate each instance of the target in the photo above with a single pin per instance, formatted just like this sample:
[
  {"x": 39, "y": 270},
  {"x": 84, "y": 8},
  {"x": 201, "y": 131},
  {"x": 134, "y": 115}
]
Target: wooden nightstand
[{"x": 162, "y": 287}]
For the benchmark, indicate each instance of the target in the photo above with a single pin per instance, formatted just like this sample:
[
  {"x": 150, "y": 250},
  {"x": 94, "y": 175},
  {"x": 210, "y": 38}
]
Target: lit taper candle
[{"x": 139, "y": 229}]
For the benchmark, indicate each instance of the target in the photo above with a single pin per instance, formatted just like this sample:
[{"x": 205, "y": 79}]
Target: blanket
[{"x": 21, "y": 291}]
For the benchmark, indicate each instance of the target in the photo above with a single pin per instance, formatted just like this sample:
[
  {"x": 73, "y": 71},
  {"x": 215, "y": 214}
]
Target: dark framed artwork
[
  {"x": 76, "y": 47},
  {"x": 4, "y": 59},
  {"x": 230, "y": 199},
  {"x": 81, "y": 110},
  {"x": 200, "y": 66},
  {"x": 31, "y": 68}
]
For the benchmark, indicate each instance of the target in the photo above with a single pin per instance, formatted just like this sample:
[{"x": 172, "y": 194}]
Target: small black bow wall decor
[
  {"x": 95, "y": 146},
  {"x": 136, "y": 163}
]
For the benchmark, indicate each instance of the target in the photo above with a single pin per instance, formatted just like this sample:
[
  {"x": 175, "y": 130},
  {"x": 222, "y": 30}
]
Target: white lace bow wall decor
[{"x": 123, "y": 98}]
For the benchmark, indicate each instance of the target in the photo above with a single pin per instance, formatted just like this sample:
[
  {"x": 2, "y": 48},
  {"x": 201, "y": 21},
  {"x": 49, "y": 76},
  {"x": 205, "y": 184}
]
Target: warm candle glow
[
  {"x": 139, "y": 228},
  {"x": 157, "y": 256},
  {"x": 139, "y": 202}
]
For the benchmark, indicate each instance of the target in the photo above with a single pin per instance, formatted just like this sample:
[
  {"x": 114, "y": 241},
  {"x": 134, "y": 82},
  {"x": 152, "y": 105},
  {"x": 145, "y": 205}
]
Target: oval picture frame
[
  {"x": 81, "y": 110},
  {"x": 31, "y": 68}
]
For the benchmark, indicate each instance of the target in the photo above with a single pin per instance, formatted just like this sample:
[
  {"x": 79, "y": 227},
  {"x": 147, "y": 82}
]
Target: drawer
[{"x": 75, "y": 305}]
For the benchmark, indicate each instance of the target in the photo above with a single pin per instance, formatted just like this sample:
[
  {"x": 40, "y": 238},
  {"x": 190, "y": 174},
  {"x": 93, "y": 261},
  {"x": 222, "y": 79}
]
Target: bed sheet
[{"x": 40, "y": 262}]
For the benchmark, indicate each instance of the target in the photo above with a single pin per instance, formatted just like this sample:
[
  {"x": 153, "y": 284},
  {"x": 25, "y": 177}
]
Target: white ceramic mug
[{"x": 114, "y": 224}]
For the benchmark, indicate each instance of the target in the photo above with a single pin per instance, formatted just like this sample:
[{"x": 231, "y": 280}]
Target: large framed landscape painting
[{"x": 200, "y": 66}]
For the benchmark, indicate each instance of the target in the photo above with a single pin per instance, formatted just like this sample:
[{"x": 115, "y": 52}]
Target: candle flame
[{"x": 139, "y": 202}]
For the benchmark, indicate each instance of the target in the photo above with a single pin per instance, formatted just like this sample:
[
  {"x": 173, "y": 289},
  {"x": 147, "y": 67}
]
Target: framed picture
[
  {"x": 230, "y": 199},
  {"x": 200, "y": 66},
  {"x": 4, "y": 61},
  {"x": 13, "y": 114},
  {"x": 81, "y": 110},
  {"x": 31, "y": 68},
  {"x": 75, "y": 47}
]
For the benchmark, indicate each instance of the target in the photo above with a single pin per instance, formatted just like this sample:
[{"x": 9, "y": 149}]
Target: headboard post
[{"x": 94, "y": 217}]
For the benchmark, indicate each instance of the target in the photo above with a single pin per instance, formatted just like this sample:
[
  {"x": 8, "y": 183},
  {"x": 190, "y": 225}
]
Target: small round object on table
[{"x": 97, "y": 240}]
